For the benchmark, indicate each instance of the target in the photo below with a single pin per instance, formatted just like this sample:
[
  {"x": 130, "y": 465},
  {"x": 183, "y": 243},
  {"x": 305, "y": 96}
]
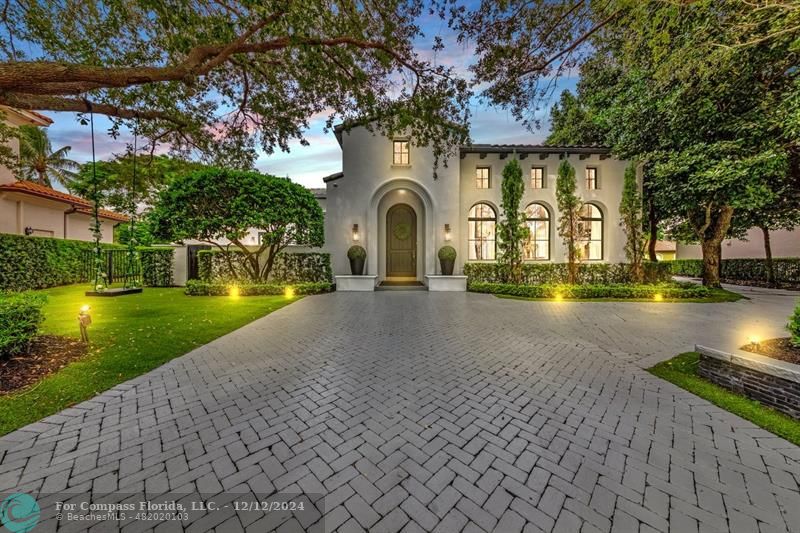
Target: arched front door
[{"x": 401, "y": 242}]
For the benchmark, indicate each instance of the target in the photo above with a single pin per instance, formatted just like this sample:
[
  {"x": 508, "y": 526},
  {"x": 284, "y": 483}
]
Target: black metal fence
[{"x": 115, "y": 265}]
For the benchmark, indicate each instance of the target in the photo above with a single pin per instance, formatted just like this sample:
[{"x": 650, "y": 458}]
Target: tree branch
[
  {"x": 38, "y": 77},
  {"x": 51, "y": 103}
]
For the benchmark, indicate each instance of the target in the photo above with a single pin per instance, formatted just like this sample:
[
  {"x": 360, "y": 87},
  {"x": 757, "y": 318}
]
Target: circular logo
[{"x": 19, "y": 513}]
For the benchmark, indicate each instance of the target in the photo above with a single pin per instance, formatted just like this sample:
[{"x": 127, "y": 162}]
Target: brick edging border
[
  {"x": 770, "y": 381},
  {"x": 760, "y": 363}
]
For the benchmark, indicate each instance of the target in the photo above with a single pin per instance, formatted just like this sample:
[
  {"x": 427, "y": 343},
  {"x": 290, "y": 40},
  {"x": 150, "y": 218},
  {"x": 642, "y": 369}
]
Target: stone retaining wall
[{"x": 771, "y": 382}]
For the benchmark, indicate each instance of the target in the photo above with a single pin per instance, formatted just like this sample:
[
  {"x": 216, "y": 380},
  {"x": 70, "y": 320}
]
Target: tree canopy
[
  {"x": 705, "y": 94},
  {"x": 216, "y": 205},
  {"x": 220, "y": 78},
  {"x": 115, "y": 179}
]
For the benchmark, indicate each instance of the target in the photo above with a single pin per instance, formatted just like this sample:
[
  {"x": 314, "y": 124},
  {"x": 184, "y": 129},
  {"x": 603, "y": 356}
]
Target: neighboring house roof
[
  {"x": 81, "y": 205},
  {"x": 27, "y": 117},
  {"x": 666, "y": 246},
  {"x": 320, "y": 194},
  {"x": 332, "y": 177}
]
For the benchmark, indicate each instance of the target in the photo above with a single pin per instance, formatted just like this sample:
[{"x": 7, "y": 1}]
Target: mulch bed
[
  {"x": 777, "y": 349},
  {"x": 48, "y": 354}
]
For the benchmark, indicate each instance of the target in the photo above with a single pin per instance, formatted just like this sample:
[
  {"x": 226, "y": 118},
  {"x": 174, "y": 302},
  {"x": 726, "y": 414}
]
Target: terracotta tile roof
[
  {"x": 81, "y": 205},
  {"x": 535, "y": 148}
]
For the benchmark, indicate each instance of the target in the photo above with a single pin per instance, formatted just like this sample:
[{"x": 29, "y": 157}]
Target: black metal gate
[{"x": 192, "y": 266}]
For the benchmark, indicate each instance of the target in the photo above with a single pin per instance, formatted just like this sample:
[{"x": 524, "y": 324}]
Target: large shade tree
[
  {"x": 704, "y": 93},
  {"x": 116, "y": 181},
  {"x": 222, "y": 78},
  {"x": 221, "y": 207}
]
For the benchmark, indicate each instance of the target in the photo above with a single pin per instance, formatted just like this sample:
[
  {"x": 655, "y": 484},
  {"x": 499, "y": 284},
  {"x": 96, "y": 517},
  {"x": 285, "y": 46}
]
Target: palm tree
[{"x": 39, "y": 163}]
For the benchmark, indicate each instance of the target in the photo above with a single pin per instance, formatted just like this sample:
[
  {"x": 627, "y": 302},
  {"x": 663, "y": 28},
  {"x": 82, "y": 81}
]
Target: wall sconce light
[
  {"x": 356, "y": 236},
  {"x": 447, "y": 234}
]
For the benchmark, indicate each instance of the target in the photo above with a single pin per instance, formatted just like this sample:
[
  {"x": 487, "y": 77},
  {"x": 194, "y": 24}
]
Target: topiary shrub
[
  {"x": 447, "y": 253},
  {"x": 356, "y": 252},
  {"x": 20, "y": 317},
  {"x": 794, "y": 326}
]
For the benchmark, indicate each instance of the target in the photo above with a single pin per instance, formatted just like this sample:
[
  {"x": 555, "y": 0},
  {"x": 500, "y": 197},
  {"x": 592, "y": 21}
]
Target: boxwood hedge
[
  {"x": 787, "y": 270},
  {"x": 289, "y": 267},
  {"x": 157, "y": 266},
  {"x": 622, "y": 291},
  {"x": 204, "y": 288},
  {"x": 553, "y": 273}
]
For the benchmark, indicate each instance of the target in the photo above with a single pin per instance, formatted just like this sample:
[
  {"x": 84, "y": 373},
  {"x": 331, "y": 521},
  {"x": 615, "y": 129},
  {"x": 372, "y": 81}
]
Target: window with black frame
[
  {"x": 482, "y": 222},
  {"x": 537, "y": 248},
  {"x": 590, "y": 229}
]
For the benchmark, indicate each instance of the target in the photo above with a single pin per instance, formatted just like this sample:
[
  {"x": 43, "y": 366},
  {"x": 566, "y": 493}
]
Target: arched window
[
  {"x": 538, "y": 246},
  {"x": 481, "y": 233},
  {"x": 591, "y": 233}
]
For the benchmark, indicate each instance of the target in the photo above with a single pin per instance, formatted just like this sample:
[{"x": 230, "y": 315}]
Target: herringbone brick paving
[{"x": 434, "y": 412}]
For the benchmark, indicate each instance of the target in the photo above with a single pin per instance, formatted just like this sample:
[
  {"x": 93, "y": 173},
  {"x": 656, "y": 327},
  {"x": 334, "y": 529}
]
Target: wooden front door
[{"x": 401, "y": 242}]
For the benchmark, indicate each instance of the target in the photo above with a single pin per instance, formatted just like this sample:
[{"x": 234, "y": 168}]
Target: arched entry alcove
[{"x": 406, "y": 201}]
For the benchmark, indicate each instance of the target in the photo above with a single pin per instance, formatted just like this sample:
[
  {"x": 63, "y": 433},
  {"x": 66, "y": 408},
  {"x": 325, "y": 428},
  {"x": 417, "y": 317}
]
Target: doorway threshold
[{"x": 414, "y": 285}]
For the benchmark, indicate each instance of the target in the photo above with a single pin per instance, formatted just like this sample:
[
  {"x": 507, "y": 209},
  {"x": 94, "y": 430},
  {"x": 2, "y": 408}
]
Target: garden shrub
[
  {"x": 787, "y": 269},
  {"x": 157, "y": 266},
  {"x": 42, "y": 262},
  {"x": 289, "y": 267},
  {"x": 20, "y": 317},
  {"x": 687, "y": 267},
  {"x": 202, "y": 288},
  {"x": 554, "y": 273},
  {"x": 794, "y": 326},
  {"x": 622, "y": 291}
]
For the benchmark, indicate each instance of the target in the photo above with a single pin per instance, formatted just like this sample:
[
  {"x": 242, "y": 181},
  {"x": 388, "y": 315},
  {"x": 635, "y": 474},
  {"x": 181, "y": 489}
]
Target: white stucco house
[
  {"x": 28, "y": 208},
  {"x": 386, "y": 200}
]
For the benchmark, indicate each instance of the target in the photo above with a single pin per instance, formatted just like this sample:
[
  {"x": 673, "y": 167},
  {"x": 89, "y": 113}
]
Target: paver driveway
[{"x": 445, "y": 412}]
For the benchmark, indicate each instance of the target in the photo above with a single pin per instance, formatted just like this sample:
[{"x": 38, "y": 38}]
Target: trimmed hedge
[
  {"x": 201, "y": 288},
  {"x": 301, "y": 267},
  {"x": 555, "y": 273},
  {"x": 622, "y": 291},
  {"x": 787, "y": 269},
  {"x": 42, "y": 262},
  {"x": 157, "y": 266},
  {"x": 31, "y": 263},
  {"x": 20, "y": 317}
]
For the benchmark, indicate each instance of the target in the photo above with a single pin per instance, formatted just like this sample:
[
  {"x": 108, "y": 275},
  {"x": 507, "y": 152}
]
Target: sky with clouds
[{"x": 309, "y": 164}]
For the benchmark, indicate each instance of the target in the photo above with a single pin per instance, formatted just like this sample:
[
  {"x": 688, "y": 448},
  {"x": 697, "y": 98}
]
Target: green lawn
[
  {"x": 716, "y": 296},
  {"x": 682, "y": 371},
  {"x": 129, "y": 336}
]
